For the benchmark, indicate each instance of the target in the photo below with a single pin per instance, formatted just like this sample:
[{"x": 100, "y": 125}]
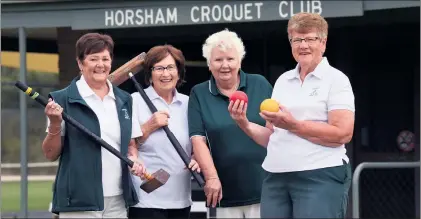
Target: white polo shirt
[
  {"x": 106, "y": 111},
  {"x": 158, "y": 152},
  {"x": 323, "y": 90}
]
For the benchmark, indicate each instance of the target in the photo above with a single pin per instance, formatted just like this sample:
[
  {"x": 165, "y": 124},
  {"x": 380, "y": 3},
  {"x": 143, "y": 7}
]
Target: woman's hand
[
  {"x": 194, "y": 166},
  {"x": 282, "y": 119},
  {"x": 156, "y": 121},
  {"x": 238, "y": 112},
  {"x": 159, "y": 119},
  {"x": 213, "y": 191},
  {"x": 53, "y": 111},
  {"x": 138, "y": 168}
]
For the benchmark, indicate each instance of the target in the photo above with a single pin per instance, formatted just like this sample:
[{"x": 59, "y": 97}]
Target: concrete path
[{"x": 30, "y": 178}]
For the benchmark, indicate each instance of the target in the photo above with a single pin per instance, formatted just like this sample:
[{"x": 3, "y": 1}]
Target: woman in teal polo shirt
[
  {"x": 91, "y": 182},
  {"x": 229, "y": 159}
]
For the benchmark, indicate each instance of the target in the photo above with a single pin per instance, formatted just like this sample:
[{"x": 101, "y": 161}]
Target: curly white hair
[{"x": 224, "y": 39}]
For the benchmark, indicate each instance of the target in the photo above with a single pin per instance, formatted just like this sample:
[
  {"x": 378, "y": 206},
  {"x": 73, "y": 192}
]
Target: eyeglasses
[
  {"x": 309, "y": 40},
  {"x": 160, "y": 69}
]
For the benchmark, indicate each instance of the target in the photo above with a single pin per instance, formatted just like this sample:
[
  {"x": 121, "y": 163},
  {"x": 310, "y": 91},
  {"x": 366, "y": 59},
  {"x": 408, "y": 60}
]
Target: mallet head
[{"x": 155, "y": 180}]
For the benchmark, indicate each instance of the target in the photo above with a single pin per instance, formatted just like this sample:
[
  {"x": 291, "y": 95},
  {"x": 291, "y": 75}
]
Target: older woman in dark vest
[{"x": 91, "y": 182}]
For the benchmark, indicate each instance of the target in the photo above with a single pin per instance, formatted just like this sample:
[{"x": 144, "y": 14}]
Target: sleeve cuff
[
  {"x": 341, "y": 107},
  {"x": 137, "y": 133}
]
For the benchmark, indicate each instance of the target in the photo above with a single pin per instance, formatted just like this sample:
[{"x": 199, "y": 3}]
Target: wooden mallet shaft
[{"x": 121, "y": 74}]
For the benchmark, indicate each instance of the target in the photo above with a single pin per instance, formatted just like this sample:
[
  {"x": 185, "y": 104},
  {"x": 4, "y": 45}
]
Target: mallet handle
[
  {"x": 148, "y": 176},
  {"x": 43, "y": 101}
]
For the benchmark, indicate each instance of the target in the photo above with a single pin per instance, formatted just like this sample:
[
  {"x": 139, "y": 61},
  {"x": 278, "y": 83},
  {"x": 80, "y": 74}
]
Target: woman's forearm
[
  {"x": 51, "y": 145},
  {"x": 147, "y": 130},
  {"x": 132, "y": 149},
  {"x": 322, "y": 133},
  {"x": 338, "y": 130},
  {"x": 258, "y": 133},
  {"x": 323, "y": 142},
  {"x": 203, "y": 157}
]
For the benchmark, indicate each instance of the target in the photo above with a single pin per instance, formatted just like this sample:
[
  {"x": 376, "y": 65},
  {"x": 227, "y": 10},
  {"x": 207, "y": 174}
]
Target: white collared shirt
[
  {"x": 106, "y": 111},
  {"x": 158, "y": 152},
  {"x": 323, "y": 90}
]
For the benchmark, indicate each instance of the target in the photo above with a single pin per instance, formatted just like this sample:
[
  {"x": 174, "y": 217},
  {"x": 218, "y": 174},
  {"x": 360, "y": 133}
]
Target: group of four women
[{"x": 290, "y": 163}]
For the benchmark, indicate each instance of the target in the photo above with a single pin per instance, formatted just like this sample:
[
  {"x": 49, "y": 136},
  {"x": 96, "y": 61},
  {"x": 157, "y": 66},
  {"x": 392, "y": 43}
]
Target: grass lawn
[{"x": 39, "y": 196}]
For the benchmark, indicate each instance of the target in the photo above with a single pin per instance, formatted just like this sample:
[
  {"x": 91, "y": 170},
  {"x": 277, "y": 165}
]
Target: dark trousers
[
  {"x": 319, "y": 193},
  {"x": 156, "y": 213}
]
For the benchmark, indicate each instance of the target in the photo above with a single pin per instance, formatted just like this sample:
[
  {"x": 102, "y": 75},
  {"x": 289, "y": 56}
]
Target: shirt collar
[
  {"x": 318, "y": 71},
  {"x": 213, "y": 89},
  {"x": 152, "y": 94},
  {"x": 86, "y": 91}
]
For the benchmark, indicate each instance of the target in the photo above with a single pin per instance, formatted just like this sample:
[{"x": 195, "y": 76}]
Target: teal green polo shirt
[{"x": 237, "y": 157}]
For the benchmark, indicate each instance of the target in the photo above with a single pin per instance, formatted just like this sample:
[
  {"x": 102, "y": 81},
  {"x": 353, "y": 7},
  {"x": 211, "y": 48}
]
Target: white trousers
[
  {"x": 247, "y": 211},
  {"x": 114, "y": 207}
]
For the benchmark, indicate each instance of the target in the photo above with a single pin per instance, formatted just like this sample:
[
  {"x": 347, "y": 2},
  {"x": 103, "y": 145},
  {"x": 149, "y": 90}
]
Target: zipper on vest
[
  {"x": 97, "y": 168},
  {"x": 69, "y": 189},
  {"x": 98, "y": 175}
]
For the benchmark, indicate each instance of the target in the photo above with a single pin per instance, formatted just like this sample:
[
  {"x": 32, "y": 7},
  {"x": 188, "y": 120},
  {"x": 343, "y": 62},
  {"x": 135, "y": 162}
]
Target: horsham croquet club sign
[{"x": 191, "y": 12}]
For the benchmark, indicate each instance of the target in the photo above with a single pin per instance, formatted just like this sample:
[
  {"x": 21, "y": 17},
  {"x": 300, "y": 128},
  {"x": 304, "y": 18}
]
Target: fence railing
[
  {"x": 30, "y": 165},
  {"x": 372, "y": 165},
  {"x": 36, "y": 170}
]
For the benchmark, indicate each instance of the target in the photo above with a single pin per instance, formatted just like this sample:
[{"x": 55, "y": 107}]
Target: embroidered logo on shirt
[
  {"x": 314, "y": 92},
  {"x": 126, "y": 115}
]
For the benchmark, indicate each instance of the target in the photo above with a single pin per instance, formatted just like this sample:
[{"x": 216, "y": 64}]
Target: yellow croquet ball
[{"x": 269, "y": 105}]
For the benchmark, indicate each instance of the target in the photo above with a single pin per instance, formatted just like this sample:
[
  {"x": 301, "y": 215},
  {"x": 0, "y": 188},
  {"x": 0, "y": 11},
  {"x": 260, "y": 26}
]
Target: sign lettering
[
  {"x": 227, "y": 12},
  {"x": 288, "y": 8},
  {"x": 186, "y": 13},
  {"x": 139, "y": 17}
]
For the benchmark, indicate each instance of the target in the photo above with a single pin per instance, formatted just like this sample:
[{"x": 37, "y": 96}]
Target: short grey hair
[
  {"x": 306, "y": 22},
  {"x": 224, "y": 39}
]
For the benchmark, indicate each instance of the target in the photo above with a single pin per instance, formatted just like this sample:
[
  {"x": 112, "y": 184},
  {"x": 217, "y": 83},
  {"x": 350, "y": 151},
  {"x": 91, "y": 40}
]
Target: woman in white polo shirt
[
  {"x": 309, "y": 172},
  {"x": 164, "y": 70}
]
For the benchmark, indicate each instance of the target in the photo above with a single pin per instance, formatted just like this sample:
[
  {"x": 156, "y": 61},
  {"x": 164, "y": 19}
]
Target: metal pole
[
  {"x": 418, "y": 201},
  {"x": 375, "y": 165},
  {"x": 0, "y": 135},
  {"x": 23, "y": 128}
]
